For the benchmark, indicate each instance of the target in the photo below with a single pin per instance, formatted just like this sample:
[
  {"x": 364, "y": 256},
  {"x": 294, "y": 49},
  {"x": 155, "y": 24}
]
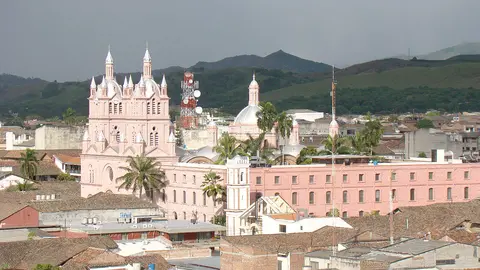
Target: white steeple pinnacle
[
  {"x": 164, "y": 82},
  {"x": 147, "y": 57},
  {"x": 93, "y": 84},
  {"x": 125, "y": 83},
  {"x": 141, "y": 83},
  {"x": 103, "y": 84},
  {"x": 171, "y": 138},
  {"x": 130, "y": 82},
  {"x": 109, "y": 59},
  {"x": 253, "y": 77},
  {"x": 253, "y": 92}
]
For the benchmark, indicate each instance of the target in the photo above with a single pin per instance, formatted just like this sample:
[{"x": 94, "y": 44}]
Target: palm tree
[
  {"x": 256, "y": 146},
  {"x": 341, "y": 146},
  {"x": 24, "y": 185},
  {"x": 29, "y": 163},
  {"x": 372, "y": 133},
  {"x": 357, "y": 143},
  {"x": 227, "y": 148},
  {"x": 143, "y": 174},
  {"x": 212, "y": 187},
  {"x": 266, "y": 117},
  {"x": 284, "y": 127},
  {"x": 304, "y": 153}
]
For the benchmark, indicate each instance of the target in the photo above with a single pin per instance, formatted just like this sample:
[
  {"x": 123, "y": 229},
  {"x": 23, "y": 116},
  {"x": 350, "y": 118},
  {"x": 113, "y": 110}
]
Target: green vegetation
[
  {"x": 28, "y": 164},
  {"x": 227, "y": 148},
  {"x": 65, "y": 177},
  {"x": 219, "y": 220},
  {"x": 143, "y": 174},
  {"x": 22, "y": 186},
  {"x": 424, "y": 123},
  {"x": 212, "y": 188},
  {"x": 46, "y": 267},
  {"x": 422, "y": 155}
]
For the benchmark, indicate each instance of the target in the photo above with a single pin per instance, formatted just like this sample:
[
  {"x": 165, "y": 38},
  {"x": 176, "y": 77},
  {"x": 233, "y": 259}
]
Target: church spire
[
  {"x": 253, "y": 90},
  {"x": 109, "y": 65},
  {"x": 147, "y": 64},
  {"x": 164, "y": 82},
  {"x": 92, "y": 84}
]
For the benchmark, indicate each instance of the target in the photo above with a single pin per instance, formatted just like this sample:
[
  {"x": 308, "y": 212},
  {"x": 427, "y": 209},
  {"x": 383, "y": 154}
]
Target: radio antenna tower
[{"x": 189, "y": 110}]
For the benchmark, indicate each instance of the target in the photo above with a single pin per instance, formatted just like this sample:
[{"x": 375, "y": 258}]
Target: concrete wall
[
  {"x": 49, "y": 137},
  {"x": 104, "y": 216},
  {"x": 462, "y": 254},
  {"x": 198, "y": 138},
  {"x": 424, "y": 140}
]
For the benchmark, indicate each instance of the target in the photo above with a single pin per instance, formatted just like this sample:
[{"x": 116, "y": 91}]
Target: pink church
[{"x": 132, "y": 119}]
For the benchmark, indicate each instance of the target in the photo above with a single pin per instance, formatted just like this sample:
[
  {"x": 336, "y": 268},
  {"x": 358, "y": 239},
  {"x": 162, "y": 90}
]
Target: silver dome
[{"x": 248, "y": 115}]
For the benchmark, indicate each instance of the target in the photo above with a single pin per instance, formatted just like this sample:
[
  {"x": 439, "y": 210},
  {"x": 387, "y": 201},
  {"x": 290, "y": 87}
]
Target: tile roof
[
  {"x": 44, "y": 167},
  {"x": 54, "y": 251},
  {"x": 390, "y": 147},
  {"x": 64, "y": 189},
  {"x": 7, "y": 209},
  {"x": 289, "y": 216},
  {"x": 68, "y": 159}
]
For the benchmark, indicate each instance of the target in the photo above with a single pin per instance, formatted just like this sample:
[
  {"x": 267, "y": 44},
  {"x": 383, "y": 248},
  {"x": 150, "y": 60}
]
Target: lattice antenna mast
[{"x": 333, "y": 94}]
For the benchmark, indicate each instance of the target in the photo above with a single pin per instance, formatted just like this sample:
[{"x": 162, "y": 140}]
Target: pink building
[{"x": 362, "y": 188}]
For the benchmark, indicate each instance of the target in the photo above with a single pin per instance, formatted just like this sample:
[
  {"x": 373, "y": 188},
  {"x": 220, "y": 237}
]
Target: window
[
  {"x": 311, "y": 179},
  {"x": 465, "y": 192},
  {"x": 259, "y": 180},
  {"x": 153, "y": 106},
  {"x": 277, "y": 180},
  {"x": 276, "y": 194},
  {"x": 344, "y": 214},
  {"x": 156, "y": 138},
  {"x": 294, "y": 198},
  {"x": 315, "y": 265},
  {"x": 204, "y": 199},
  {"x": 412, "y": 176},
  {"x": 430, "y": 194},
  {"x": 204, "y": 218},
  {"x": 115, "y": 106},
  {"x": 430, "y": 175},
  {"x": 345, "y": 178},
  {"x": 466, "y": 175},
  {"x": 360, "y": 213},
  {"x": 449, "y": 193},
  {"x": 194, "y": 198},
  {"x": 134, "y": 136},
  {"x": 328, "y": 197},
  {"x": 185, "y": 178},
  {"x": 117, "y": 136},
  {"x": 412, "y": 194},
  {"x": 194, "y": 179},
  {"x": 328, "y": 178},
  {"x": 394, "y": 194},
  {"x": 360, "y": 178},
  {"x": 282, "y": 228},
  {"x": 294, "y": 180},
  {"x": 377, "y": 177},
  {"x": 360, "y": 196},
  {"x": 174, "y": 177},
  {"x": 110, "y": 107},
  {"x": 120, "y": 107},
  {"x": 184, "y": 196},
  {"x": 158, "y": 108},
  {"x": 174, "y": 196},
  {"x": 148, "y": 107},
  {"x": 377, "y": 195},
  {"x": 445, "y": 262},
  {"x": 393, "y": 176},
  {"x": 151, "y": 138},
  {"x": 345, "y": 196},
  {"x": 185, "y": 215},
  {"x": 449, "y": 175},
  {"x": 175, "y": 215},
  {"x": 311, "y": 197}
]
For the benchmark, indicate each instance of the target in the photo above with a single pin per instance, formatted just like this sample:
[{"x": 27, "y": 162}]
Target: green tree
[
  {"x": 179, "y": 135},
  {"x": 284, "y": 125},
  {"x": 65, "y": 177},
  {"x": 46, "y": 267},
  {"x": 22, "y": 186},
  {"x": 266, "y": 117},
  {"x": 31, "y": 235},
  {"x": 253, "y": 146},
  {"x": 333, "y": 212},
  {"x": 227, "y": 148},
  {"x": 341, "y": 146},
  {"x": 29, "y": 163},
  {"x": 304, "y": 153},
  {"x": 69, "y": 116},
  {"x": 422, "y": 155},
  {"x": 143, "y": 174},
  {"x": 372, "y": 133},
  {"x": 424, "y": 123},
  {"x": 212, "y": 188},
  {"x": 219, "y": 220},
  {"x": 357, "y": 143}
]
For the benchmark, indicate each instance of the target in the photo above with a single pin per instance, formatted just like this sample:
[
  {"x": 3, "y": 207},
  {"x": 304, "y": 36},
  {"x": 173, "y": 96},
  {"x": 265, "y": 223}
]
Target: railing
[
  {"x": 197, "y": 241},
  {"x": 73, "y": 171}
]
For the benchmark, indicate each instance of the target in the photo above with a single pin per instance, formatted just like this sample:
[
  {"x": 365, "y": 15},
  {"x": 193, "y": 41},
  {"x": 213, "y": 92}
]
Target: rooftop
[{"x": 415, "y": 246}]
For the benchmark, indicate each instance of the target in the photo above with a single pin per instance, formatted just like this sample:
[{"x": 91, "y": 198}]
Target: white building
[
  {"x": 305, "y": 114},
  {"x": 272, "y": 225}
]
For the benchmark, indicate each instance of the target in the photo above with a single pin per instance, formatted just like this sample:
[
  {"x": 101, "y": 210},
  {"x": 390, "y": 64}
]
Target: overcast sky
[{"x": 68, "y": 40}]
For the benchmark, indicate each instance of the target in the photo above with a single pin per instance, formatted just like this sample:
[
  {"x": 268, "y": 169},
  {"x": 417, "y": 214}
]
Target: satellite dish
[
  {"x": 185, "y": 101},
  {"x": 198, "y": 110},
  {"x": 197, "y": 93},
  {"x": 190, "y": 81}
]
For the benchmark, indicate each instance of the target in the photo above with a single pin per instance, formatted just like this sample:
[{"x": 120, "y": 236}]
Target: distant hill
[
  {"x": 277, "y": 60},
  {"x": 461, "y": 49}
]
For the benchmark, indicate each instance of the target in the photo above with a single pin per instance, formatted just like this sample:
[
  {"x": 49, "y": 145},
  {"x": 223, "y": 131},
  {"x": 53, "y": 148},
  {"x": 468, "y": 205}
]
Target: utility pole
[
  {"x": 334, "y": 245},
  {"x": 390, "y": 218}
]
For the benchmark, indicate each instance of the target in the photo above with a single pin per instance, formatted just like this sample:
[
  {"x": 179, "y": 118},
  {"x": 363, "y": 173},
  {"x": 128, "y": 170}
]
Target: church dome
[
  {"x": 248, "y": 115},
  {"x": 113, "y": 88},
  {"x": 151, "y": 87}
]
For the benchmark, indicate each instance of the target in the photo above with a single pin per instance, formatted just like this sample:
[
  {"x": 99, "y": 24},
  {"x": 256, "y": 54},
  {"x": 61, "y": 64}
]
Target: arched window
[
  {"x": 90, "y": 170},
  {"x": 377, "y": 195},
  {"x": 115, "y": 108},
  {"x": 360, "y": 196},
  {"x": 156, "y": 138},
  {"x": 412, "y": 194},
  {"x": 204, "y": 218},
  {"x": 360, "y": 213},
  {"x": 465, "y": 193},
  {"x": 311, "y": 197},
  {"x": 117, "y": 136},
  {"x": 151, "y": 138},
  {"x": 194, "y": 198},
  {"x": 277, "y": 194},
  {"x": 148, "y": 107},
  {"x": 328, "y": 197},
  {"x": 345, "y": 196},
  {"x": 109, "y": 173},
  {"x": 110, "y": 107},
  {"x": 204, "y": 199},
  {"x": 294, "y": 198},
  {"x": 154, "y": 109},
  {"x": 158, "y": 108},
  {"x": 449, "y": 193},
  {"x": 174, "y": 196},
  {"x": 184, "y": 196},
  {"x": 344, "y": 214},
  {"x": 120, "y": 107},
  {"x": 175, "y": 215},
  {"x": 430, "y": 194},
  {"x": 184, "y": 215}
]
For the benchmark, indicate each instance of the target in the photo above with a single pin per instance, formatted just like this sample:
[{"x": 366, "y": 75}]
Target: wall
[
  {"x": 183, "y": 253},
  {"x": 272, "y": 226},
  {"x": 421, "y": 184},
  {"x": 465, "y": 260},
  {"x": 10, "y": 181},
  {"x": 198, "y": 138},
  {"x": 49, "y": 137},
  {"x": 27, "y": 216},
  {"x": 424, "y": 140},
  {"x": 322, "y": 263},
  {"x": 245, "y": 258},
  {"x": 104, "y": 216}
]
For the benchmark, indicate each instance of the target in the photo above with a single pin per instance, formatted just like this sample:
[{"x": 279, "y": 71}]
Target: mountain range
[
  {"x": 467, "y": 48},
  {"x": 381, "y": 86}
]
